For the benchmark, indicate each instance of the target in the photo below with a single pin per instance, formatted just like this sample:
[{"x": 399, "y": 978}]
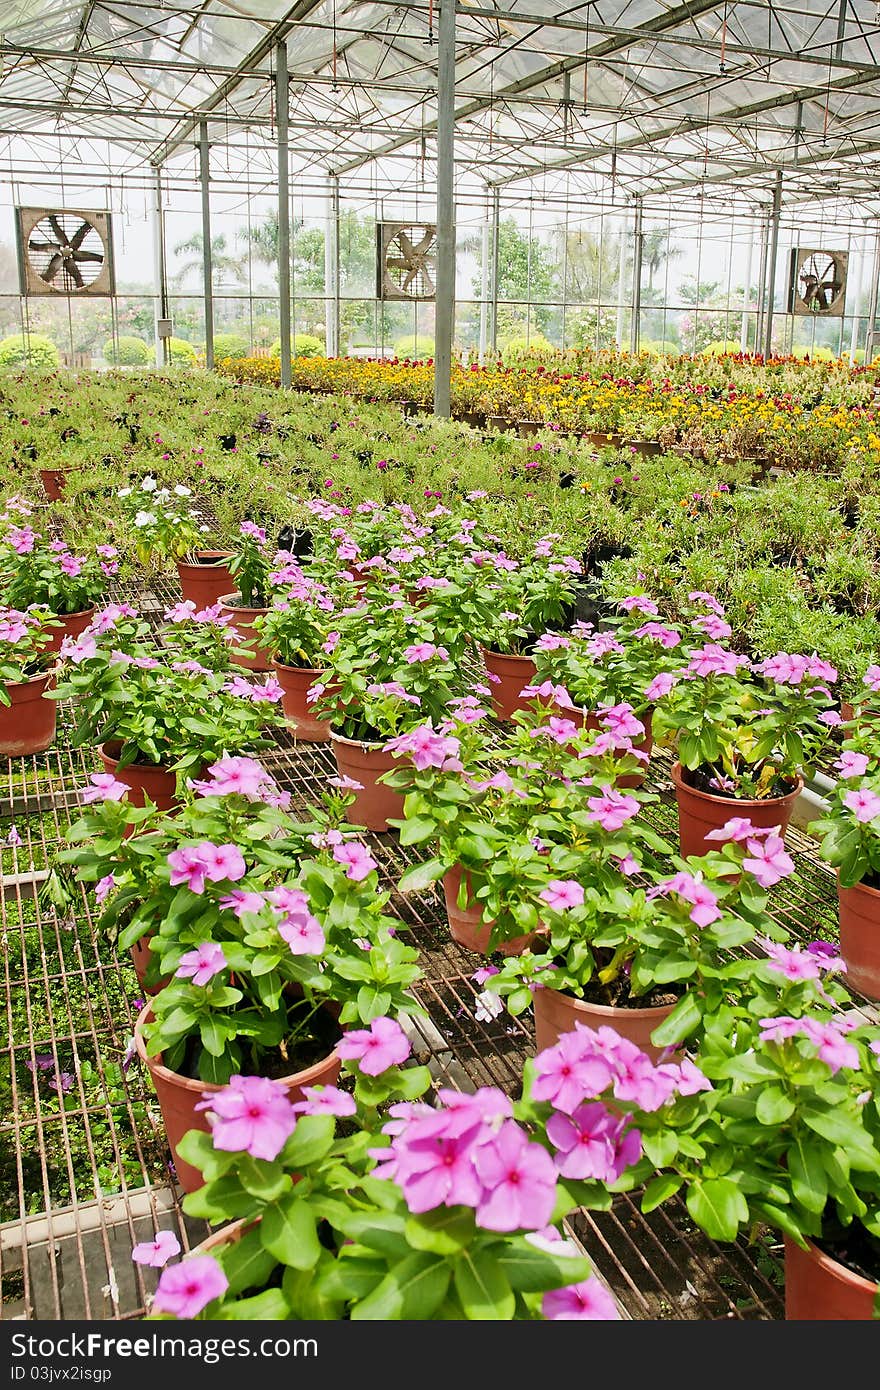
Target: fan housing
[
  {"x": 406, "y": 256},
  {"x": 65, "y": 251},
  {"x": 817, "y": 283}
]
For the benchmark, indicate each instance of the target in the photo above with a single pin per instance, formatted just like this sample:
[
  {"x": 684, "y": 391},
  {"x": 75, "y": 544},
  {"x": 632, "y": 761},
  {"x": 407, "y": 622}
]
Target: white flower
[
  {"x": 124, "y": 492},
  {"x": 182, "y": 491},
  {"x": 489, "y": 1006},
  {"x": 145, "y": 519},
  {"x": 149, "y": 484}
]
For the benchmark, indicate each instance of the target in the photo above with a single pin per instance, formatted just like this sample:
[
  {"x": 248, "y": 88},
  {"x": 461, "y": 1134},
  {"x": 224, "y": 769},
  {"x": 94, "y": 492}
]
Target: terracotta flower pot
[
  {"x": 818, "y": 1289},
  {"x": 27, "y": 724},
  {"x": 243, "y": 622},
  {"x": 859, "y": 915},
  {"x": 466, "y": 925},
  {"x": 375, "y": 805},
  {"x": 72, "y": 624},
  {"x": 142, "y": 779},
  {"x": 206, "y": 579},
  {"x": 53, "y": 480},
  {"x": 513, "y": 672},
  {"x": 557, "y": 1012},
  {"x": 699, "y": 812},
  {"x": 296, "y": 681},
  {"x": 141, "y": 959},
  {"x": 178, "y": 1096}
]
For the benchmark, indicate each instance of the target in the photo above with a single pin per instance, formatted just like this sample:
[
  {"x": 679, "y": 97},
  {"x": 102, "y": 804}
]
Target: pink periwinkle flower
[
  {"x": 202, "y": 963},
  {"x": 105, "y": 787},
  {"x": 587, "y": 1301},
  {"x": 864, "y": 804},
  {"x": 768, "y": 860},
  {"x": 612, "y": 809},
  {"x": 187, "y": 866},
  {"x": 562, "y": 894},
  {"x": 871, "y": 678},
  {"x": 712, "y": 660},
  {"x": 593, "y": 1142},
  {"x": 519, "y": 1182},
  {"x": 620, "y": 720},
  {"x": 186, "y": 1288},
  {"x": 659, "y": 632},
  {"x": 576, "y": 1068},
  {"x": 158, "y": 1251},
  {"x": 358, "y": 860},
  {"x": 639, "y": 603},
  {"x": 712, "y": 626},
  {"x": 428, "y": 748},
  {"x": 325, "y": 1100},
  {"x": 660, "y": 686},
  {"x": 424, "y": 651},
  {"x": 558, "y": 730},
  {"x": 826, "y": 1036},
  {"x": 234, "y": 776},
  {"x": 240, "y": 901},
  {"x": 384, "y": 1044},
  {"x": 705, "y": 909},
  {"x": 253, "y": 1115},
  {"x": 104, "y": 887},
  {"x": 77, "y": 649},
  {"x": 547, "y": 690},
  {"x": 707, "y": 600},
  {"x": 738, "y": 828}
]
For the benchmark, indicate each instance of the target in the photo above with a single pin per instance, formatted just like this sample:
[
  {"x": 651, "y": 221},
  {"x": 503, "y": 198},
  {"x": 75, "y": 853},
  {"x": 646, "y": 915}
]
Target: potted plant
[
  {"x": 158, "y": 713},
  {"x": 266, "y": 934},
  {"x": 27, "y": 716},
  {"x": 519, "y": 600},
  {"x": 165, "y": 523},
  {"x": 783, "y": 1132},
  {"x": 385, "y": 675},
  {"x": 36, "y": 572},
  {"x": 850, "y": 840},
  {"x": 250, "y": 568},
  {"x": 294, "y": 629},
  {"x": 744, "y": 734},
  {"x": 452, "y": 1210}
]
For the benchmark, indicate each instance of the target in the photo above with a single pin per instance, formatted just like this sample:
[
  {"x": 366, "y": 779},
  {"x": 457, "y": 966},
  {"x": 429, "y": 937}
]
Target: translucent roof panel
[{"x": 654, "y": 97}]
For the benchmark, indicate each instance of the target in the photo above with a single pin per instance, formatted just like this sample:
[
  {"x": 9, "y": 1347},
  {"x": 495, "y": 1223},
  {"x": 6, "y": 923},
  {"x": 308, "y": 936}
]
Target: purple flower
[
  {"x": 253, "y": 1115},
  {"x": 158, "y": 1251},
  {"x": 104, "y": 887},
  {"x": 588, "y": 1300},
  {"x": 201, "y": 964},
  {"x": 185, "y": 1289},
  {"x": 384, "y": 1044}
]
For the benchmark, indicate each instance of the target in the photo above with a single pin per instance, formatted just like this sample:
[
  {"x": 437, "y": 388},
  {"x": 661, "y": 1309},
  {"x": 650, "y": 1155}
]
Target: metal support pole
[
  {"x": 493, "y": 269},
  {"x": 621, "y": 282},
  {"x": 484, "y": 287},
  {"x": 870, "y": 334},
  {"x": 638, "y": 245},
  {"x": 160, "y": 270},
  {"x": 762, "y": 273},
  {"x": 771, "y": 264},
  {"x": 747, "y": 296},
  {"x": 857, "y": 299},
  {"x": 444, "y": 304},
  {"x": 282, "y": 100},
  {"x": 331, "y": 271},
  {"x": 207, "y": 266}
]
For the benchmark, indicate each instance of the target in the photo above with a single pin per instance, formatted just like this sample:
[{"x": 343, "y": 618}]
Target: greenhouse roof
[{"x": 651, "y": 97}]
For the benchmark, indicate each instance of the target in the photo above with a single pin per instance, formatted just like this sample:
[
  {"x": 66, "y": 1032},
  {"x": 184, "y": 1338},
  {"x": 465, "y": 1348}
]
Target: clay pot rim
[
  {"x": 364, "y": 744},
  {"x": 46, "y": 675},
  {"x": 157, "y": 1067},
  {"x": 855, "y": 887},
  {"x": 80, "y": 612},
  {"x": 218, "y": 563},
  {"x": 310, "y": 670},
  {"x": 610, "y": 1010},
  {"x": 227, "y": 600},
  {"x": 508, "y": 656},
  {"x": 831, "y": 1266},
  {"x": 733, "y": 801},
  {"x": 117, "y": 743}
]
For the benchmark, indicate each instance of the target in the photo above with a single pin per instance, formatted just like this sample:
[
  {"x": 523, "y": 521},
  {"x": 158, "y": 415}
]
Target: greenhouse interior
[{"x": 439, "y": 660}]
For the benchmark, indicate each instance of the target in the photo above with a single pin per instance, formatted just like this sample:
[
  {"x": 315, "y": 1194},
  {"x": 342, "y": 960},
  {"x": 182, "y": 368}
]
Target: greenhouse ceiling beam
[
  {"x": 737, "y": 172},
  {"x": 687, "y": 124},
  {"x": 649, "y": 30},
  {"x": 729, "y": 49},
  {"x": 273, "y": 36}
]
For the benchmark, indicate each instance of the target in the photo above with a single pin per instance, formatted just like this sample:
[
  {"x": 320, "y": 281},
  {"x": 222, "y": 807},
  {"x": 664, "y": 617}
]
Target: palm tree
[{"x": 224, "y": 267}]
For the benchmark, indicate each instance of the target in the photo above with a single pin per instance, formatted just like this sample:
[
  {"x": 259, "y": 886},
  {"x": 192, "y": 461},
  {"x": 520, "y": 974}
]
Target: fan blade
[
  {"x": 425, "y": 241},
  {"x": 43, "y": 246},
  {"x": 397, "y": 263},
  {"x": 74, "y": 273},
  {"x": 80, "y": 235},
  {"x": 405, "y": 244},
  {"x": 88, "y": 256},
  {"x": 52, "y": 268},
  {"x": 58, "y": 230},
  {"x": 429, "y": 283}
]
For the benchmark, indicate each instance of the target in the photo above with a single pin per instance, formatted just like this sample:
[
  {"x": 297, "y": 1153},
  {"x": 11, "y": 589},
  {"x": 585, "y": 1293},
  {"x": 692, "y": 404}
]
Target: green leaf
[
  {"x": 683, "y": 1020},
  {"x": 246, "y": 1264},
  {"x": 412, "y": 1290},
  {"x": 718, "y": 1207},
  {"x": 809, "y": 1181},
  {"x": 417, "y": 879},
  {"x": 774, "y": 1106},
  {"x": 288, "y": 1231},
  {"x": 659, "y": 1190},
  {"x": 415, "y": 829},
  {"x": 482, "y": 1287},
  {"x": 268, "y": 1306},
  {"x": 442, "y": 1231},
  {"x": 531, "y": 1270},
  {"x": 311, "y": 1140}
]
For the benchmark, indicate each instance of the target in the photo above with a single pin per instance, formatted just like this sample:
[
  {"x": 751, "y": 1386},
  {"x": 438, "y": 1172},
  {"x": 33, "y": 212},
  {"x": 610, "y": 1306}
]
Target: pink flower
[
  {"x": 793, "y": 964},
  {"x": 592, "y": 1143},
  {"x": 621, "y": 720},
  {"x": 70, "y": 565},
  {"x": 325, "y": 1100},
  {"x": 589, "y": 1301},
  {"x": 77, "y": 649},
  {"x": 638, "y": 602},
  {"x": 768, "y": 861},
  {"x": 713, "y": 660},
  {"x": 105, "y": 787},
  {"x": 239, "y": 901},
  {"x": 562, "y": 894},
  {"x": 221, "y": 861},
  {"x": 234, "y": 776},
  {"x": 693, "y": 890},
  {"x": 713, "y": 626},
  {"x": 428, "y": 748},
  {"x": 851, "y": 764},
  {"x": 185, "y": 1289},
  {"x": 864, "y": 804},
  {"x": 612, "y": 809},
  {"x": 202, "y": 963},
  {"x": 660, "y": 686},
  {"x": 104, "y": 887},
  {"x": 253, "y": 1115},
  {"x": 700, "y": 596},
  {"x": 737, "y": 828},
  {"x": 345, "y": 784},
  {"x": 519, "y": 1181},
  {"x": 658, "y": 632},
  {"x": 559, "y": 730},
  {"x": 871, "y": 678},
  {"x": 22, "y": 539},
  {"x": 424, "y": 651},
  {"x": 360, "y": 863},
  {"x": 548, "y": 691},
  {"x": 158, "y": 1251},
  {"x": 187, "y": 866},
  {"x": 384, "y": 1044}
]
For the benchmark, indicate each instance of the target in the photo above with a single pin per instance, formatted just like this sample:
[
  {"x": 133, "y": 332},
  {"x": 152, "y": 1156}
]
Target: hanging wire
[
  {"x": 721, "y": 66},
  {"x": 430, "y": 38},
  {"x": 334, "y": 87},
  {"x": 586, "y": 55}
]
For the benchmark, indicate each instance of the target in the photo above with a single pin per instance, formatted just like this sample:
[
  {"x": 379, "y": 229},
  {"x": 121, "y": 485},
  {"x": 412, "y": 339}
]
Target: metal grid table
[{"x": 86, "y": 1168}]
